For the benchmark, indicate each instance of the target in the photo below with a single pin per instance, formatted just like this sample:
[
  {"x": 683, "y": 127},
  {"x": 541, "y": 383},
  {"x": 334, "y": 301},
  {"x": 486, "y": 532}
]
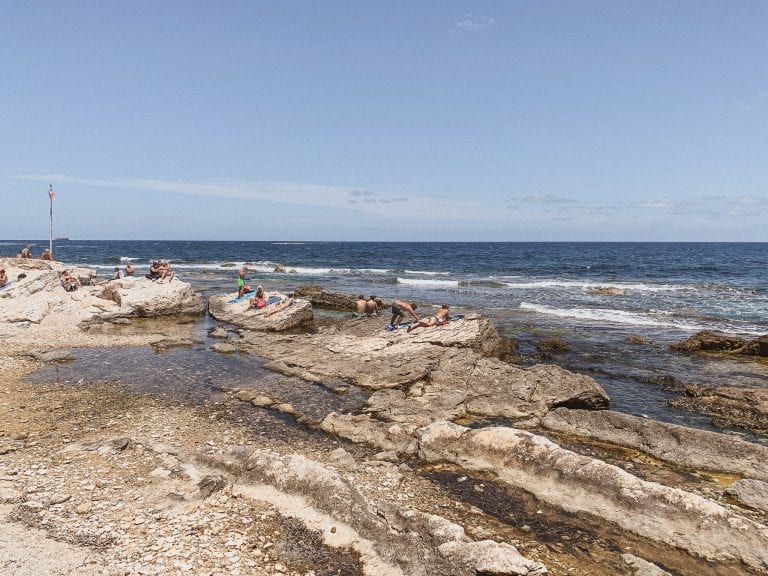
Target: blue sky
[{"x": 369, "y": 120}]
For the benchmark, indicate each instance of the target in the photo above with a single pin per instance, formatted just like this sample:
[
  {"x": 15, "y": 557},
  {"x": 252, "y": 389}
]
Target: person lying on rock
[
  {"x": 440, "y": 317},
  {"x": 399, "y": 308},
  {"x": 273, "y": 308}
]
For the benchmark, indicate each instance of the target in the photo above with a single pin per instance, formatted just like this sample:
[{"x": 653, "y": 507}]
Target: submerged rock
[
  {"x": 716, "y": 342},
  {"x": 729, "y": 406}
]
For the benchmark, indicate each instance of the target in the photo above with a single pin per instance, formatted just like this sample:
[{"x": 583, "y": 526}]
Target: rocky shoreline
[{"x": 95, "y": 479}]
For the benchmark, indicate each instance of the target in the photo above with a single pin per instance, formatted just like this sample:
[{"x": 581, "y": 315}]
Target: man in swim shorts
[{"x": 399, "y": 308}]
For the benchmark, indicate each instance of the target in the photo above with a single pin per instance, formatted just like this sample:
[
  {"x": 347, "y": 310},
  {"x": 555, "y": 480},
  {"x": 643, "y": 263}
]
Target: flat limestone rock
[
  {"x": 269, "y": 319},
  {"x": 680, "y": 445},
  {"x": 752, "y": 493},
  {"x": 728, "y": 405},
  {"x": 580, "y": 484}
]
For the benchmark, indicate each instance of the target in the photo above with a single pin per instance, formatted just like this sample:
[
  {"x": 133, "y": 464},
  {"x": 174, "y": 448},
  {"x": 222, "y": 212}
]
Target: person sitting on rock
[
  {"x": 360, "y": 305},
  {"x": 165, "y": 271},
  {"x": 46, "y": 255},
  {"x": 371, "y": 306},
  {"x": 25, "y": 252},
  {"x": 3, "y": 278},
  {"x": 69, "y": 281},
  {"x": 116, "y": 274},
  {"x": 440, "y": 317},
  {"x": 129, "y": 270},
  {"x": 154, "y": 270},
  {"x": 399, "y": 308},
  {"x": 258, "y": 301}
]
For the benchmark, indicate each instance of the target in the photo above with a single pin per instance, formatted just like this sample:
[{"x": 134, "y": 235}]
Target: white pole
[{"x": 50, "y": 240}]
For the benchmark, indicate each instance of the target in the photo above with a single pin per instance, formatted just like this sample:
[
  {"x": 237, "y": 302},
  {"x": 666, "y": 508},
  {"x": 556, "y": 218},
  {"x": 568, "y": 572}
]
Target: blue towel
[{"x": 243, "y": 298}]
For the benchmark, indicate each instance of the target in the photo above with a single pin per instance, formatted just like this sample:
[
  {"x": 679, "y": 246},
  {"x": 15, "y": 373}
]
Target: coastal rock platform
[
  {"x": 274, "y": 318},
  {"x": 244, "y": 483}
]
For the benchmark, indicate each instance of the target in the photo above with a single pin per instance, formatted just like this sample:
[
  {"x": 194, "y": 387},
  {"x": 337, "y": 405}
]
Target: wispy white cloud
[
  {"x": 475, "y": 22},
  {"x": 655, "y": 204},
  {"x": 549, "y": 199}
]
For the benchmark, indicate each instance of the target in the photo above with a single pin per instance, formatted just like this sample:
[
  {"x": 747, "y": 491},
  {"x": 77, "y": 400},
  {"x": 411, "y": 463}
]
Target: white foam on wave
[
  {"x": 420, "y": 282},
  {"x": 661, "y": 320},
  {"x": 128, "y": 259},
  {"x": 586, "y": 285},
  {"x": 427, "y": 273}
]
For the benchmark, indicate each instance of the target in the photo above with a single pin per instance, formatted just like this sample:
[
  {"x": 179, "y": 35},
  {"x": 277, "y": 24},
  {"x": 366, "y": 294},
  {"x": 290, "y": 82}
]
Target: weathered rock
[
  {"x": 391, "y": 540},
  {"x": 319, "y": 297},
  {"x": 144, "y": 298},
  {"x": 642, "y": 567},
  {"x": 224, "y": 348},
  {"x": 729, "y": 406},
  {"x": 52, "y": 355},
  {"x": 580, "y": 484},
  {"x": 679, "y": 445},
  {"x": 238, "y": 313},
  {"x": 488, "y": 557},
  {"x": 363, "y": 429},
  {"x": 716, "y": 342},
  {"x": 752, "y": 493}
]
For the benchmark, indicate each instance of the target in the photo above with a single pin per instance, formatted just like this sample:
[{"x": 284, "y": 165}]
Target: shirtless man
[
  {"x": 25, "y": 252},
  {"x": 399, "y": 308},
  {"x": 371, "y": 306},
  {"x": 3, "y": 278},
  {"x": 440, "y": 317},
  {"x": 360, "y": 305},
  {"x": 165, "y": 271},
  {"x": 129, "y": 269},
  {"x": 46, "y": 255}
]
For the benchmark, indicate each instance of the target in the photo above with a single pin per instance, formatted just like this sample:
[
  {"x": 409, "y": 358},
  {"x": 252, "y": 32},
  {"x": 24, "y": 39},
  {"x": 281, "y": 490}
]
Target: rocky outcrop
[
  {"x": 728, "y": 406},
  {"x": 580, "y": 484},
  {"x": 751, "y": 493},
  {"x": 320, "y": 297},
  {"x": 142, "y": 298},
  {"x": 391, "y": 540},
  {"x": 716, "y": 342},
  {"x": 37, "y": 297},
  {"x": 679, "y": 445},
  {"x": 273, "y": 318}
]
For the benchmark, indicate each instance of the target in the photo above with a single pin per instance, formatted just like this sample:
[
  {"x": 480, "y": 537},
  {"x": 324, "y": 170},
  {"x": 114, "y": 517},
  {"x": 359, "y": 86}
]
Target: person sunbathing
[
  {"x": 438, "y": 319},
  {"x": 3, "y": 278},
  {"x": 68, "y": 281},
  {"x": 276, "y": 307}
]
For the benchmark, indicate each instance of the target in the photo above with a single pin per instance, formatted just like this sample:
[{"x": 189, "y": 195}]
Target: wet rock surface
[
  {"x": 729, "y": 406},
  {"x": 715, "y": 342}
]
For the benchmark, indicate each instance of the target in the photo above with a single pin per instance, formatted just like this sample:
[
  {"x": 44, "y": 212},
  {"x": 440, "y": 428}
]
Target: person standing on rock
[{"x": 399, "y": 308}]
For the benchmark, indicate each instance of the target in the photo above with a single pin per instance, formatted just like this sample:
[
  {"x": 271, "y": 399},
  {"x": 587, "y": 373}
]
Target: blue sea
[{"x": 531, "y": 291}]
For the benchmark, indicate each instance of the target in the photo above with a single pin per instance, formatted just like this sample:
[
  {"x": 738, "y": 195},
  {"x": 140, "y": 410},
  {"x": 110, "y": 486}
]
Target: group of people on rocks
[
  {"x": 259, "y": 301},
  {"x": 160, "y": 270},
  {"x": 369, "y": 307},
  {"x": 46, "y": 254},
  {"x": 400, "y": 308}
]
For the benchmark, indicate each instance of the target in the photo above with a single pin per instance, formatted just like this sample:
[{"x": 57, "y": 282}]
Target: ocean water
[{"x": 531, "y": 291}]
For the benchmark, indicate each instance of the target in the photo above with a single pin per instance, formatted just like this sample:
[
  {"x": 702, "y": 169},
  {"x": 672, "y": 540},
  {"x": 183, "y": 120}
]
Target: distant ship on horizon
[{"x": 61, "y": 239}]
